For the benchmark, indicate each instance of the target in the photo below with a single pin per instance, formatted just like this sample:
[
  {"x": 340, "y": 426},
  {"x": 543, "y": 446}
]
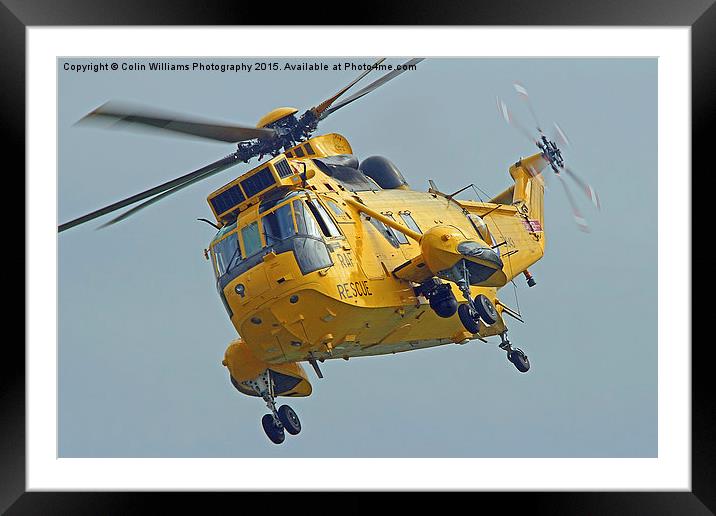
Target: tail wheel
[
  {"x": 486, "y": 310},
  {"x": 273, "y": 431},
  {"x": 289, "y": 419},
  {"x": 519, "y": 360},
  {"x": 468, "y": 318}
]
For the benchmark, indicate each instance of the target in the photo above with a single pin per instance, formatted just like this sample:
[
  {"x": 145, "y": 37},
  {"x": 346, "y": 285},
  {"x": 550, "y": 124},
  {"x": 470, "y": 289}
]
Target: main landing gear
[
  {"x": 481, "y": 308},
  {"x": 444, "y": 303},
  {"x": 475, "y": 309},
  {"x": 440, "y": 295},
  {"x": 279, "y": 420}
]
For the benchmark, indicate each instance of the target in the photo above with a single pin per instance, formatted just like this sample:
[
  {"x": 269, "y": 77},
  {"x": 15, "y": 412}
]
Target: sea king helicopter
[{"x": 319, "y": 255}]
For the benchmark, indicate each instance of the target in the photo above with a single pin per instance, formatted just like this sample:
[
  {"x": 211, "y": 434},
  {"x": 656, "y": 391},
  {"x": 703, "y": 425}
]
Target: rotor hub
[{"x": 551, "y": 153}]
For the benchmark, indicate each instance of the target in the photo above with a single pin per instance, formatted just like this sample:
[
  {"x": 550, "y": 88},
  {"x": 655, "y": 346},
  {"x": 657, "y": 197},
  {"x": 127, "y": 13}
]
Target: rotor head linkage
[{"x": 551, "y": 153}]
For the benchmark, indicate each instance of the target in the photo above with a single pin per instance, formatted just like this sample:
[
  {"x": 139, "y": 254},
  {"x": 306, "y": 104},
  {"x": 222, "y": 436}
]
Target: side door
[{"x": 349, "y": 256}]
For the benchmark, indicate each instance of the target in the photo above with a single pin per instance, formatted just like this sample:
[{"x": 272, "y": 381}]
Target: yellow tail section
[{"x": 527, "y": 194}]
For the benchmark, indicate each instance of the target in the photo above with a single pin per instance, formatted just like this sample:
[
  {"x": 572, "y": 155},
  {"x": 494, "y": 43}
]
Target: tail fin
[{"x": 527, "y": 194}]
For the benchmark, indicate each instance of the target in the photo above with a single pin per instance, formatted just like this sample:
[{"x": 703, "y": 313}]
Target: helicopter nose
[{"x": 485, "y": 255}]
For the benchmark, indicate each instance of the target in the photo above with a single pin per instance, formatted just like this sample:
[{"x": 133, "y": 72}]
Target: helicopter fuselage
[{"x": 315, "y": 272}]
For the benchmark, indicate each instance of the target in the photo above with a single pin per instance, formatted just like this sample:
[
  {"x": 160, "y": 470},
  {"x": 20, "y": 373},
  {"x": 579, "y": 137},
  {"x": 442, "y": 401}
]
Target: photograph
[{"x": 376, "y": 257}]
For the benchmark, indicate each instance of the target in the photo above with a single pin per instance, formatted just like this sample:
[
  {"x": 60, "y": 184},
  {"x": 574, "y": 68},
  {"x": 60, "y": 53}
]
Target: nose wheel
[
  {"x": 279, "y": 421},
  {"x": 273, "y": 431},
  {"x": 289, "y": 419},
  {"x": 515, "y": 355}
]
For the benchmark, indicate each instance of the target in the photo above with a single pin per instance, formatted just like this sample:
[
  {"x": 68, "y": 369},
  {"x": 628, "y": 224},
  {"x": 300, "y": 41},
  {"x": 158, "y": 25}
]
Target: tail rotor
[{"x": 552, "y": 153}]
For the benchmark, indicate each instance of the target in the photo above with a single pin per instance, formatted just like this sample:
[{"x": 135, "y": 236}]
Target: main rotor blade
[
  {"x": 320, "y": 108},
  {"x": 375, "y": 84},
  {"x": 581, "y": 221},
  {"x": 123, "y": 113},
  {"x": 202, "y": 172},
  {"x": 164, "y": 194}
]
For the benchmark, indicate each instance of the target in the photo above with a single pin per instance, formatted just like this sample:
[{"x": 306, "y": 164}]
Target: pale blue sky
[{"x": 142, "y": 330}]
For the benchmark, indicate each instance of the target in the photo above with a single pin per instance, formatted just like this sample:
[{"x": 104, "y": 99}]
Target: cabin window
[
  {"x": 385, "y": 231},
  {"x": 400, "y": 237},
  {"x": 336, "y": 209},
  {"x": 278, "y": 225},
  {"x": 325, "y": 222},
  {"x": 483, "y": 231},
  {"x": 479, "y": 224},
  {"x": 226, "y": 253},
  {"x": 409, "y": 221},
  {"x": 252, "y": 239}
]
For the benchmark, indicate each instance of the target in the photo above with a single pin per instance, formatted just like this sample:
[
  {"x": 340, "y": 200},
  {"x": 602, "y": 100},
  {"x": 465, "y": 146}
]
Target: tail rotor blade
[
  {"x": 561, "y": 137},
  {"x": 590, "y": 192},
  {"x": 542, "y": 178},
  {"x": 578, "y": 218},
  {"x": 512, "y": 121},
  {"x": 522, "y": 92}
]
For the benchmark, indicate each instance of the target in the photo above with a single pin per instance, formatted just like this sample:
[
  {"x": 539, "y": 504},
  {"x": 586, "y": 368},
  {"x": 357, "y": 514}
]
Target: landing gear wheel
[
  {"x": 468, "y": 318},
  {"x": 289, "y": 419},
  {"x": 486, "y": 309},
  {"x": 519, "y": 360},
  {"x": 445, "y": 308},
  {"x": 443, "y": 301},
  {"x": 273, "y": 431}
]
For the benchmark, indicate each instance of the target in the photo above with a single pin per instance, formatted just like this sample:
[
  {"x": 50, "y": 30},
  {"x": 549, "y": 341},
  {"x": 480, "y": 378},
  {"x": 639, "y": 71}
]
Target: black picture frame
[{"x": 17, "y": 15}]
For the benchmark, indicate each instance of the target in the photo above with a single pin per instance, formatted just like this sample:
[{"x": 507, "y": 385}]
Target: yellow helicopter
[{"x": 319, "y": 255}]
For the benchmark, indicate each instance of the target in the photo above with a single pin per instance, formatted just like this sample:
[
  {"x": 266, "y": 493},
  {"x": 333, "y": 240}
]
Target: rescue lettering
[{"x": 353, "y": 289}]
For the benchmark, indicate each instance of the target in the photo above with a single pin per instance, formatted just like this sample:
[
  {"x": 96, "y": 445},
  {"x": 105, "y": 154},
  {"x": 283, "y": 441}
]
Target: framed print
[{"x": 136, "y": 380}]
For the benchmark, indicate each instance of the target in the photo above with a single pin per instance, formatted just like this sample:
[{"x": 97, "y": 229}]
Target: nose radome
[{"x": 480, "y": 252}]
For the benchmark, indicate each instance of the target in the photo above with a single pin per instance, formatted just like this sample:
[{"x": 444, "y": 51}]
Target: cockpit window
[
  {"x": 252, "y": 239},
  {"x": 328, "y": 227},
  {"x": 305, "y": 223},
  {"x": 278, "y": 225},
  {"x": 275, "y": 197},
  {"x": 225, "y": 252}
]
